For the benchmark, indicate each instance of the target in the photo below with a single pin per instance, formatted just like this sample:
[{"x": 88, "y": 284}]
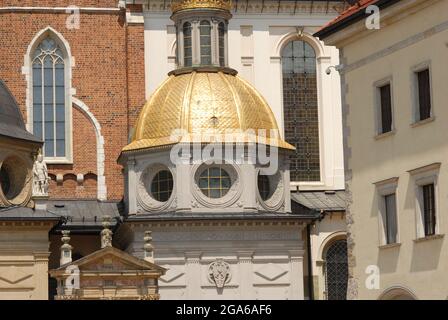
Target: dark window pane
[
  {"x": 60, "y": 148},
  {"x": 424, "y": 94},
  {"x": 162, "y": 186},
  {"x": 221, "y": 35},
  {"x": 187, "y": 44},
  {"x": 59, "y": 75},
  {"x": 386, "y": 108},
  {"x": 37, "y": 74},
  {"x": 264, "y": 187},
  {"x": 429, "y": 209},
  {"x": 336, "y": 270},
  {"x": 391, "y": 218},
  {"x": 301, "y": 110},
  {"x": 205, "y": 42}
]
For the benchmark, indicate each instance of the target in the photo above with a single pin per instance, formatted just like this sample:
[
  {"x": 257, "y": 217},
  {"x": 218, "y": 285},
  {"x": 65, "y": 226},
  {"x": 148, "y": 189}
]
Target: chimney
[
  {"x": 148, "y": 248},
  {"x": 106, "y": 233},
  {"x": 66, "y": 249}
]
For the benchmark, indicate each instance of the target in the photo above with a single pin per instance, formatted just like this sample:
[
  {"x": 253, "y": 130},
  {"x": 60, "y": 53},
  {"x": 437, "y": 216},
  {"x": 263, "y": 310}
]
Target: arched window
[
  {"x": 336, "y": 270},
  {"x": 205, "y": 31},
  {"x": 301, "y": 109},
  {"x": 188, "y": 51},
  {"x": 49, "y": 97},
  {"x": 221, "y": 40}
]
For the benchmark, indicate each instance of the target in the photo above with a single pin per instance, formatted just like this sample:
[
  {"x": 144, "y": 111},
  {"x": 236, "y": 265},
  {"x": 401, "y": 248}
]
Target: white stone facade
[{"x": 265, "y": 259}]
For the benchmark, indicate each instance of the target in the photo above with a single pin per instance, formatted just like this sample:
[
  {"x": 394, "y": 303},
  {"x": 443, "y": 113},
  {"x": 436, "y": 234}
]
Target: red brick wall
[
  {"x": 136, "y": 73},
  {"x": 84, "y": 156},
  {"x": 100, "y": 77}
]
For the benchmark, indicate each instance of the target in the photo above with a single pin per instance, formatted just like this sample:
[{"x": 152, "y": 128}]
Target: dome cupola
[{"x": 201, "y": 32}]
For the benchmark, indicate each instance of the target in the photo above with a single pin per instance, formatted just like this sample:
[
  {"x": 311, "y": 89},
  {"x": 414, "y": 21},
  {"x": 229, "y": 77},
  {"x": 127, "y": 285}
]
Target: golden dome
[
  {"x": 200, "y": 103},
  {"x": 178, "y": 5}
]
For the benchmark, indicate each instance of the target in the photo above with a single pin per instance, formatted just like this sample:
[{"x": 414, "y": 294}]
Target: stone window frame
[
  {"x": 385, "y": 188},
  {"x": 312, "y": 42},
  {"x": 422, "y": 176},
  {"x": 415, "y": 121},
  {"x": 377, "y": 107},
  {"x": 69, "y": 63}
]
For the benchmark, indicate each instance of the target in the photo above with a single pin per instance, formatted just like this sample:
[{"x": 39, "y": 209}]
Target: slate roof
[
  {"x": 84, "y": 214},
  {"x": 175, "y": 216},
  {"x": 321, "y": 200},
  {"x": 26, "y": 214},
  {"x": 11, "y": 120}
]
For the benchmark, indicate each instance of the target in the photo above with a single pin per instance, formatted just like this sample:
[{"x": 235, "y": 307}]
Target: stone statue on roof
[{"x": 41, "y": 179}]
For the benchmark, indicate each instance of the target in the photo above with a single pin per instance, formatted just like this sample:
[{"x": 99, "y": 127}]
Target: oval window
[{"x": 162, "y": 186}]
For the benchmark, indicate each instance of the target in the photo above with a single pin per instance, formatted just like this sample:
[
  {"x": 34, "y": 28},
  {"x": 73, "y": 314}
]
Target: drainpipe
[{"x": 310, "y": 262}]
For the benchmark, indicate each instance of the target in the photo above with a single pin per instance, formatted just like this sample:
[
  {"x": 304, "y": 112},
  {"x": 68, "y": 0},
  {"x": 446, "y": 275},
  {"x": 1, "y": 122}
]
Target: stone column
[
  {"x": 245, "y": 273},
  {"x": 193, "y": 273},
  {"x": 296, "y": 291}
]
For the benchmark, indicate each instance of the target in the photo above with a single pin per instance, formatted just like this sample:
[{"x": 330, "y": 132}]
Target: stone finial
[
  {"x": 66, "y": 248},
  {"x": 106, "y": 233},
  {"x": 147, "y": 247}
]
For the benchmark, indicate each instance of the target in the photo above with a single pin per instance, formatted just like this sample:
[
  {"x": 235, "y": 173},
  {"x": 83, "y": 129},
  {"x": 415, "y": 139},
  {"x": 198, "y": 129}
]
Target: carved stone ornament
[
  {"x": 219, "y": 273},
  {"x": 144, "y": 197},
  {"x": 41, "y": 179}
]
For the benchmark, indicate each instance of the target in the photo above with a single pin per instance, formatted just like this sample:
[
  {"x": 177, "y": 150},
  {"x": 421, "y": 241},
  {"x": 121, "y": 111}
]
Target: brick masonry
[{"x": 108, "y": 77}]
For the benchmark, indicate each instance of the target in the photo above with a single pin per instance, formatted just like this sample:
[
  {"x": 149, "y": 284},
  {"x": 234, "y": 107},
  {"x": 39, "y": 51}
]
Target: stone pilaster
[
  {"x": 193, "y": 272},
  {"x": 245, "y": 271}
]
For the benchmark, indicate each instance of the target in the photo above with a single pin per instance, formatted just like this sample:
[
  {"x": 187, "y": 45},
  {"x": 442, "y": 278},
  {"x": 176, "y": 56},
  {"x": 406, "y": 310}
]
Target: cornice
[
  {"x": 58, "y": 9},
  {"x": 265, "y": 7}
]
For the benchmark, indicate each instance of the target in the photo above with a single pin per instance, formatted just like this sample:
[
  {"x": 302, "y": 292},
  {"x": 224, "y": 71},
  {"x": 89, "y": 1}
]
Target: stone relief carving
[
  {"x": 144, "y": 198},
  {"x": 41, "y": 179},
  {"x": 277, "y": 199},
  {"x": 271, "y": 272},
  {"x": 219, "y": 273}
]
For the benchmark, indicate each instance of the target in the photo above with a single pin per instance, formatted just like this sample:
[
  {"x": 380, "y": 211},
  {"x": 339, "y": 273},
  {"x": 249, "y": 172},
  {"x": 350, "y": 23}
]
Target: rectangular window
[
  {"x": 390, "y": 221},
  {"x": 429, "y": 209},
  {"x": 385, "y": 108},
  {"x": 424, "y": 94}
]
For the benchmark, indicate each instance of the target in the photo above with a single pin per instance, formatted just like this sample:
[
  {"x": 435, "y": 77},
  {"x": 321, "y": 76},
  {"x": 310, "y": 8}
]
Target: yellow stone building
[{"x": 394, "y": 103}]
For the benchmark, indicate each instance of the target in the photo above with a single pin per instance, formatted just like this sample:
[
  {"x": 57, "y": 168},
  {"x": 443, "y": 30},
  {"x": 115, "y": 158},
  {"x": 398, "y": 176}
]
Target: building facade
[
  {"x": 393, "y": 83},
  {"x": 81, "y": 75}
]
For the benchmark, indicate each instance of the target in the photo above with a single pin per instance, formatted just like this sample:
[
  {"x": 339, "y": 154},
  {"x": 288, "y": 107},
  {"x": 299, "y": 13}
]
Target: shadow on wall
[
  {"x": 388, "y": 259},
  {"x": 426, "y": 255}
]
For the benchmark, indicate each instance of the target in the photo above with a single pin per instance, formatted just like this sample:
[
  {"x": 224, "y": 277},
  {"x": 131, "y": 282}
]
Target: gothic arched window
[
  {"x": 336, "y": 270},
  {"x": 221, "y": 40},
  {"x": 301, "y": 109},
  {"x": 49, "y": 97},
  {"x": 205, "y": 32},
  {"x": 188, "y": 48}
]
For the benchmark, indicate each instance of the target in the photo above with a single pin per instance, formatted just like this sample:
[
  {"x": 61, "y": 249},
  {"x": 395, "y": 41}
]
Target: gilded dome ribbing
[{"x": 204, "y": 102}]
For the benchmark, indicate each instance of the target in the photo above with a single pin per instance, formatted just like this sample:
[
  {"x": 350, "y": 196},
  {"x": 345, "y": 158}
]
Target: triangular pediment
[{"x": 112, "y": 259}]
